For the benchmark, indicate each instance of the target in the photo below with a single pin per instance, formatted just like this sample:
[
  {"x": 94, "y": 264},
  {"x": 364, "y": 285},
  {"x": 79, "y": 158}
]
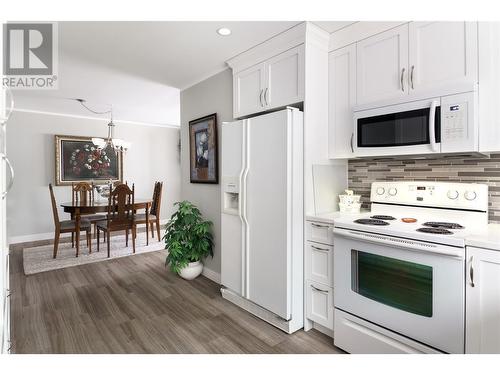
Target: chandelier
[{"x": 117, "y": 144}]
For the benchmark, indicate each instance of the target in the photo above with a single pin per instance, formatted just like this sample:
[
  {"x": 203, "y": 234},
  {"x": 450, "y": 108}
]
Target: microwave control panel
[{"x": 459, "y": 132}]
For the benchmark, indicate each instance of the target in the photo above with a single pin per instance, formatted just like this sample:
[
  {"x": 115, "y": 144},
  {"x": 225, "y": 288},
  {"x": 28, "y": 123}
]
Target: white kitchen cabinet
[
  {"x": 248, "y": 87},
  {"x": 276, "y": 82},
  {"x": 382, "y": 66},
  {"x": 319, "y": 232},
  {"x": 319, "y": 304},
  {"x": 441, "y": 54},
  {"x": 285, "y": 78},
  {"x": 341, "y": 99},
  {"x": 482, "y": 327},
  {"x": 319, "y": 263}
]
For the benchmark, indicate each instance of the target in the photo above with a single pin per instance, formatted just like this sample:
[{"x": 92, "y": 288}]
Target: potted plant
[{"x": 188, "y": 239}]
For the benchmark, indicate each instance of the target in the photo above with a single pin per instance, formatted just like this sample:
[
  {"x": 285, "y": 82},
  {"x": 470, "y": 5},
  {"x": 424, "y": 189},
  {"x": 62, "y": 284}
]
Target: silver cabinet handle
[
  {"x": 352, "y": 139},
  {"x": 471, "y": 272},
  {"x": 265, "y": 96},
  {"x": 319, "y": 225},
  {"x": 411, "y": 76},
  {"x": 319, "y": 290},
  {"x": 402, "y": 79},
  {"x": 319, "y": 248},
  {"x": 260, "y": 98},
  {"x": 4, "y": 194}
]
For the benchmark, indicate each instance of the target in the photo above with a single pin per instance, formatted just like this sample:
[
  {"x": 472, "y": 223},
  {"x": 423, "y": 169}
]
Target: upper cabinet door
[
  {"x": 382, "y": 66},
  {"x": 248, "y": 90},
  {"x": 341, "y": 98},
  {"x": 442, "y": 54},
  {"x": 285, "y": 78}
]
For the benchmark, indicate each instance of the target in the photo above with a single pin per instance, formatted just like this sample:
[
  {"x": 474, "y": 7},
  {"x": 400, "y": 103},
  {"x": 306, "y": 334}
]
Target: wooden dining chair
[
  {"x": 120, "y": 215},
  {"x": 67, "y": 226},
  {"x": 83, "y": 193},
  {"x": 154, "y": 213}
]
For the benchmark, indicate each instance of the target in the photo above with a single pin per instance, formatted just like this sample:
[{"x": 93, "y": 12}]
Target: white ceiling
[
  {"x": 176, "y": 54},
  {"x": 139, "y": 67}
]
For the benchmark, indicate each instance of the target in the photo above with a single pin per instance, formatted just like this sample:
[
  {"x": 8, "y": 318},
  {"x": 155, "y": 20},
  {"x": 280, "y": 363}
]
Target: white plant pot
[{"x": 191, "y": 271}]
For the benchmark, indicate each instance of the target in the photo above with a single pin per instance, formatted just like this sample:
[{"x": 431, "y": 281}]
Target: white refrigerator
[{"x": 262, "y": 216}]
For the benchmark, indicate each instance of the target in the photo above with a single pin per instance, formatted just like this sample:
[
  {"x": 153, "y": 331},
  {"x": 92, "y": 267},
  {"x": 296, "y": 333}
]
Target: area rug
[{"x": 39, "y": 259}]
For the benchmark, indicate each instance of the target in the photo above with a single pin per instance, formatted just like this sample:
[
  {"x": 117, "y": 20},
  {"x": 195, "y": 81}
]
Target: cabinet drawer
[
  {"x": 319, "y": 304},
  {"x": 319, "y": 232},
  {"x": 319, "y": 263}
]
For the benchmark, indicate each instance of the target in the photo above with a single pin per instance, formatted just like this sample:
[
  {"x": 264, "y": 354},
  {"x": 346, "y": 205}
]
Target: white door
[
  {"x": 319, "y": 304},
  {"x": 442, "y": 54},
  {"x": 382, "y": 66},
  {"x": 248, "y": 90},
  {"x": 267, "y": 212},
  {"x": 482, "y": 301},
  {"x": 232, "y": 274},
  {"x": 341, "y": 98},
  {"x": 285, "y": 78}
]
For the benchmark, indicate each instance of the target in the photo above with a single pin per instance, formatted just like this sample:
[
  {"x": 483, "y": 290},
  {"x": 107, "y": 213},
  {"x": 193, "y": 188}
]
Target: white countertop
[{"x": 487, "y": 239}]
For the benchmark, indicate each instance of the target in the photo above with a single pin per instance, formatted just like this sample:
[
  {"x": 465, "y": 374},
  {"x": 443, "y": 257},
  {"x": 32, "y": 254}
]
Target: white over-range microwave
[{"x": 442, "y": 124}]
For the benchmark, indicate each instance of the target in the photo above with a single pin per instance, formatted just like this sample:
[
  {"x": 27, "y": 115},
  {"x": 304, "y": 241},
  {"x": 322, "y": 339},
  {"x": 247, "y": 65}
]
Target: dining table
[{"x": 77, "y": 209}]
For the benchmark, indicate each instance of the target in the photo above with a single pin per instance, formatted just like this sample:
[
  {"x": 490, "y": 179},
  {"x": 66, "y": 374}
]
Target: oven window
[
  {"x": 398, "y": 129},
  {"x": 403, "y": 285}
]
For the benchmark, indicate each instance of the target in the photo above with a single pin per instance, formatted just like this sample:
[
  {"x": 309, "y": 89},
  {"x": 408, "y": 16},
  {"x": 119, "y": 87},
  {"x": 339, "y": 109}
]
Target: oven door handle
[
  {"x": 401, "y": 243},
  {"x": 432, "y": 125}
]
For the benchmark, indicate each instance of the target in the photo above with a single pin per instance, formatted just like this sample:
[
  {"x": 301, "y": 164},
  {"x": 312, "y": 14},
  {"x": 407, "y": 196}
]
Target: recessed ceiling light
[{"x": 224, "y": 31}]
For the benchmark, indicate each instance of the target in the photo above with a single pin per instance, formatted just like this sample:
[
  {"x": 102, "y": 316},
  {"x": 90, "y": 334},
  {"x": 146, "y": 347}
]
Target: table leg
[
  {"x": 77, "y": 227},
  {"x": 147, "y": 224}
]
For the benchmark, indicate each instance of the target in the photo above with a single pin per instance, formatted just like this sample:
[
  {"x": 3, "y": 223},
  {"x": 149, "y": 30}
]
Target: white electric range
[{"x": 399, "y": 271}]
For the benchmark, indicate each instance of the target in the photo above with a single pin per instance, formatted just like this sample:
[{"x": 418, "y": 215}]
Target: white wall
[
  {"x": 214, "y": 95},
  {"x": 30, "y": 143}
]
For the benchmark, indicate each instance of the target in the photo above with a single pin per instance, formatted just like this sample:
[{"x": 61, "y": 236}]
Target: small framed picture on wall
[{"x": 203, "y": 150}]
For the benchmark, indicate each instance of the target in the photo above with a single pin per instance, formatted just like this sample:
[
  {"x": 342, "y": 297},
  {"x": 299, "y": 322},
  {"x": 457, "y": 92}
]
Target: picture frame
[
  {"x": 203, "y": 150},
  {"x": 77, "y": 159}
]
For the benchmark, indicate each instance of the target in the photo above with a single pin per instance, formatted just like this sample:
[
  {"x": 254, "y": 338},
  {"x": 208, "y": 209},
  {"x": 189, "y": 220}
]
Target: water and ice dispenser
[{"x": 231, "y": 194}]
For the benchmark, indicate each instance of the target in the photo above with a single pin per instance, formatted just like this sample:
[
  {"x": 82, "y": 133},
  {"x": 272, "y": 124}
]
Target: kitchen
[
  {"x": 354, "y": 200},
  {"x": 409, "y": 266}
]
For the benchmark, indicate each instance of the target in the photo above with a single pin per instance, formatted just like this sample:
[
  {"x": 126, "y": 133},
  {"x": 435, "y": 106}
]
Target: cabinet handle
[
  {"x": 319, "y": 290},
  {"x": 319, "y": 225},
  {"x": 402, "y": 79},
  {"x": 352, "y": 139},
  {"x": 4, "y": 193},
  {"x": 265, "y": 96},
  {"x": 411, "y": 75},
  {"x": 260, "y": 98},
  {"x": 471, "y": 272},
  {"x": 319, "y": 248}
]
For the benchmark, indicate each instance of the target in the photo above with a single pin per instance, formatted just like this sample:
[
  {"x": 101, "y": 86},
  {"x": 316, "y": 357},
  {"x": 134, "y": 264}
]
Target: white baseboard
[
  {"x": 212, "y": 275},
  {"x": 50, "y": 236}
]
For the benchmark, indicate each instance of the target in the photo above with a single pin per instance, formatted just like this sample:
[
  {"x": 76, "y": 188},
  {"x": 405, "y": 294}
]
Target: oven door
[
  {"x": 413, "y": 288},
  {"x": 403, "y": 129}
]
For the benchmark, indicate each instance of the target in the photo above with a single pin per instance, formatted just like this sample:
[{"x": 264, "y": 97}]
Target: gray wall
[
  {"x": 214, "y": 95},
  {"x": 30, "y": 146}
]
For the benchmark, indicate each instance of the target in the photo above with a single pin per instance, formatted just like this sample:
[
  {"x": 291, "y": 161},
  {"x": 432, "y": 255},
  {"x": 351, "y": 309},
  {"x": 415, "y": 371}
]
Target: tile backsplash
[{"x": 470, "y": 169}]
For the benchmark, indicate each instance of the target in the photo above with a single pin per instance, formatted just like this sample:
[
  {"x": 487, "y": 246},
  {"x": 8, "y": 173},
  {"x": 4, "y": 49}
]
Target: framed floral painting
[
  {"x": 203, "y": 150},
  {"x": 78, "y": 159}
]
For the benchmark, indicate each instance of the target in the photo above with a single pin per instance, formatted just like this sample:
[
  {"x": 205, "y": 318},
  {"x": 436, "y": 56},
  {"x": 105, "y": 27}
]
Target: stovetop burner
[
  {"x": 434, "y": 230},
  {"x": 383, "y": 217},
  {"x": 371, "y": 222},
  {"x": 442, "y": 224}
]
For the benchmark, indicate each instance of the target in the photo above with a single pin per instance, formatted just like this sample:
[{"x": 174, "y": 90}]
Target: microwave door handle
[{"x": 432, "y": 125}]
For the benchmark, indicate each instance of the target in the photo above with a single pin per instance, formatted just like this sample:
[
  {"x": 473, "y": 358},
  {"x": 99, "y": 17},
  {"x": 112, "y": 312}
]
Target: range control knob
[
  {"x": 470, "y": 195},
  {"x": 393, "y": 191},
  {"x": 380, "y": 190},
  {"x": 452, "y": 194}
]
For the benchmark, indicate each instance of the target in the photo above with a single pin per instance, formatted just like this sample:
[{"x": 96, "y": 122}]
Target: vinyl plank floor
[{"x": 136, "y": 305}]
